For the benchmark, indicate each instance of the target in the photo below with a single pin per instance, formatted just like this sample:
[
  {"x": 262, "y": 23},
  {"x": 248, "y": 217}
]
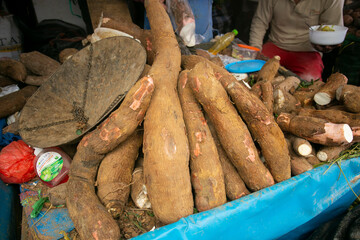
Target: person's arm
[
  {"x": 333, "y": 13},
  {"x": 260, "y": 22}
]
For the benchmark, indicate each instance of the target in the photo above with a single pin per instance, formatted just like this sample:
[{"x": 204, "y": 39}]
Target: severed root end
[
  {"x": 322, "y": 156},
  {"x": 348, "y": 133},
  {"x": 304, "y": 150},
  {"x": 322, "y": 98}
]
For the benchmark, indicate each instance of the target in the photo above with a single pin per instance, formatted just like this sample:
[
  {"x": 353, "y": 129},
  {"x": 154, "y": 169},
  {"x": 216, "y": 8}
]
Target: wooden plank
[{"x": 115, "y": 9}]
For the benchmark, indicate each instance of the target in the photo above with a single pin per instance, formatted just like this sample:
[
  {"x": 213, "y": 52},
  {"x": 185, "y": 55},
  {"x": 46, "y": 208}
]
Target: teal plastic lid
[
  {"x": 235, "y": 32},
  {"x": 246, "y": 66}
]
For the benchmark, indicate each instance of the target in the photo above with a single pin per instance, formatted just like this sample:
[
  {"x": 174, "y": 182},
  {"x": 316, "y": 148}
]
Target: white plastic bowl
[{"x": 327, "y": 37}]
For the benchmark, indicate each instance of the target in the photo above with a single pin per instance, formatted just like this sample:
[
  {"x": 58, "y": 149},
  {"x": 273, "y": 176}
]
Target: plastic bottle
[
  {"x": 52, "y": 165},
  {"x": 223, "y": 42}
]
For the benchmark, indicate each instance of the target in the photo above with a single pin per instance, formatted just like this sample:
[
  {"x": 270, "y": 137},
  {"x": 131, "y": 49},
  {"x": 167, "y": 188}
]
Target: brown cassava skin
[
  {"x": 312, "y": 159},
  {"x": 259, "y": 121},
  {"x": 166, "y": 149},
  {"x": 57, "y": 194},
  {"x": 265, "y": 76},
  {"x": 115, "y": 174},
  {"x": 269, "y": 70},
  {"x": 284, "y": 101},
  {"x": 13, "y": 69},
  {"x": 265, "y": 131},
  {"x": 39, "y": 63},
  {"x": 306, "y": 95},
  {"x": 349, "y": 95},
  {"x": 313, "y": 129},
  {"x": 234, "y": 185},
  {"x": 328, "y": 153},
  {"x": 66, "y": 54},
  {"x": 90, "y": 217},
  {"x": 334, "y": 116},
  {"x": 267, "y": 95},
  {"x": 356, "y": 134},
  {"x": 35, "y": 80},
  {"x": 277, "y": 80},
  {"x": 329, "y": 89},
  {"x": 145, "y": 36},
  {"x": 232, "y": 131},
  {"x": 13, "y": 102},
  {"x": 206, "y": 172},
  {"x": 6, "y": 81}
]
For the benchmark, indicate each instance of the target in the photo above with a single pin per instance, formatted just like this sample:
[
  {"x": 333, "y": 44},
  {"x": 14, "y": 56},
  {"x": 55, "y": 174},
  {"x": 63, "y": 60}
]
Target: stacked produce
[
  {"x": 206, "y": 138},
  {"x": 352, "y": 17},
  {"x": 29, "y": 72}
]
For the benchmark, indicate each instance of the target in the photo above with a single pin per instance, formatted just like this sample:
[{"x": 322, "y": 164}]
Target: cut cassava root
[
  {"x": 327, "y": 92},
  {"x": 315, "y": 130}
]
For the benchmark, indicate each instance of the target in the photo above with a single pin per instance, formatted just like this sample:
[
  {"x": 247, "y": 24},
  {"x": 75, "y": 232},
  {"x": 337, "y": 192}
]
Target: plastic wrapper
[
  {"x": 183, "y": 20},
  {"x": 16, "y": 163}
]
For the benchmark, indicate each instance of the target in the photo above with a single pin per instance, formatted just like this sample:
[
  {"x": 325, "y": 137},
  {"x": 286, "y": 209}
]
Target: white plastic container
[{"x": 327, "y": 37}]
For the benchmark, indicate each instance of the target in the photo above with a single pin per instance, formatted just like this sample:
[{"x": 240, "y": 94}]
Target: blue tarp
[{"x": 287, "y": 210}]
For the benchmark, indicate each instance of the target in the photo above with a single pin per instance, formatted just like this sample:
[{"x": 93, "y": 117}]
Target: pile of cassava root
[{"x": 206, "y": 138}]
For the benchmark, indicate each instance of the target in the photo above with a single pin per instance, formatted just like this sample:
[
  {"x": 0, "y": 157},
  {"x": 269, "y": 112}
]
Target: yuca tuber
[
  {"x": 334, "y": 116},
  {"x": 306, "y": 94},
  {"x": 315, "y": 130},
  {"x": 327, "y": 153},
  {"x": 349, "y": 95},
  {"x": 115, "y": 174},
  {"x": 234, "y": 185},
  {"x": 277, "y": 80},
  {"x": 259, "y": 121},
  {"x": 39, "y": 63},
  {"x": 232, "y": 131},
  {"x": 265, "y": 77},
  {"x": 66, "y": 54},
  {"x": 145, "y": 36},
  {"x": 139, "y": 193},
  {"x": 356, "y": 133},
  {"x": 13, "y": 69},
  {"x": 35, "y": 80},
  {"x": 327, "y": 92},
  {"x": 15, "y": 101},
  {"x": 57, "y": 194},
  {"x": 206, "y": 172},
  {"x": 6, "y": 81},
  {"x": 301, "y": 146},
  {"x": 312, "y": 158},
  {"x": 166, "y": 150},
  {"x": 90, "y": 217},
  {"x": 298, "y": 163}
]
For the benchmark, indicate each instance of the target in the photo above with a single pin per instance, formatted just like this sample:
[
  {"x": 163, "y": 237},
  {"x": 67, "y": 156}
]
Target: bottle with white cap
[{"x": 52, "y": 165}]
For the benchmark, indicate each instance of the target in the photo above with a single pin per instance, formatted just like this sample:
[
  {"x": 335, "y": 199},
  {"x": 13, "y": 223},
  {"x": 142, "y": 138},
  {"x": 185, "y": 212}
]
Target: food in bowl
[{"x": 327, "y": 34}]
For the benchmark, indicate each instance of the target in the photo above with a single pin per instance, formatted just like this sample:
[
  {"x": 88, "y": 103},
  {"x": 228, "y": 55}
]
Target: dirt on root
[{"x": 134, "y": 221}]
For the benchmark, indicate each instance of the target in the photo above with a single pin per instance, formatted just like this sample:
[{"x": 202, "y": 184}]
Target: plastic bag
[
  {"x": 17, "y": 163},
  {"x": 183, "y": 20},
  {"x": 10, "y": 38}
]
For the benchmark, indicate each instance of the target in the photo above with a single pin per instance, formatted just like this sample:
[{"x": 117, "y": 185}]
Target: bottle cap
[
  {"x": 37, "y": 151},
  {"x": 235, "y": 32}
]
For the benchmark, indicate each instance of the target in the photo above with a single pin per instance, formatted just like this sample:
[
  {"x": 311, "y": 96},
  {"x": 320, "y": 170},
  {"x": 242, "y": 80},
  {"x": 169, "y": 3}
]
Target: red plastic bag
[{"x": 17, "y": 163}]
